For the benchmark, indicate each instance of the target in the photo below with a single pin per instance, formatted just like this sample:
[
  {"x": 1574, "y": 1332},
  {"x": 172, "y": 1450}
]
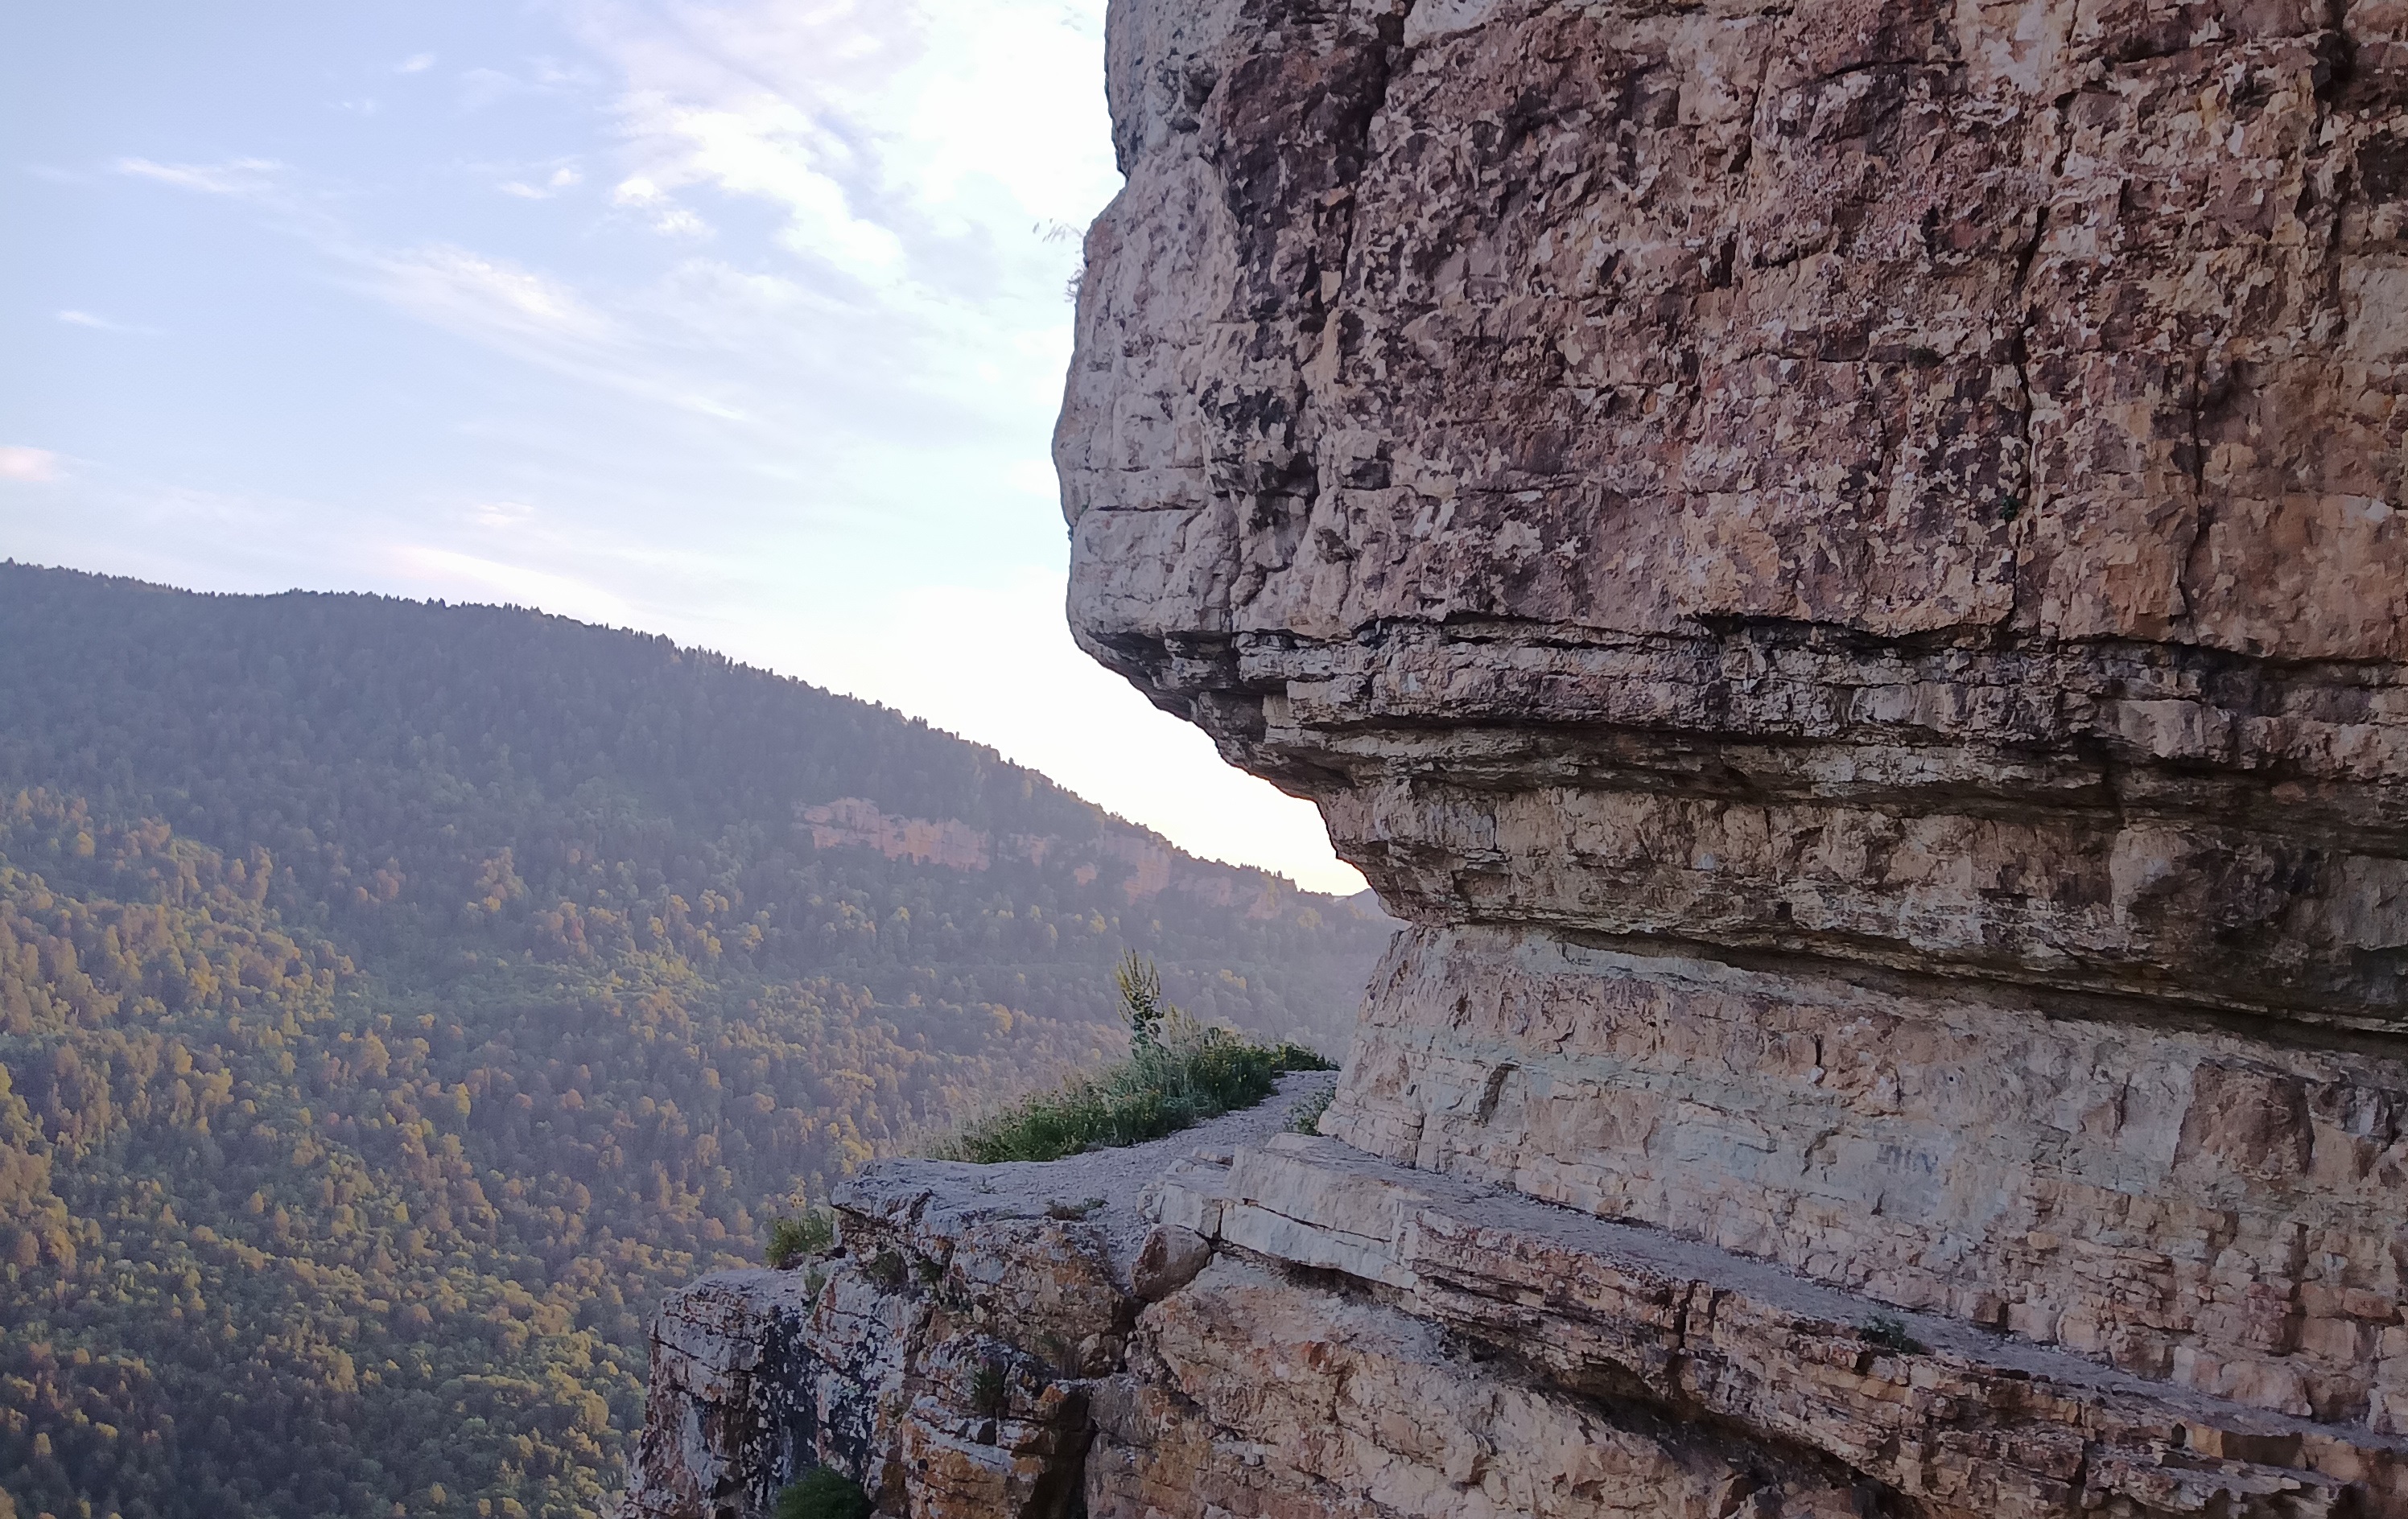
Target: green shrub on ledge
[
  {"x": 1179, "y": 1073},
  {"x": 798, "y": 1237},
  {"x": 1305, "y": 1117},
  {"x": 823, "y": 1493}
]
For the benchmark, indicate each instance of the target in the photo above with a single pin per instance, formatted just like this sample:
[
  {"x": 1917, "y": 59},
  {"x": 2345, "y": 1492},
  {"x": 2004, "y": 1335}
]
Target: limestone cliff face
[
  {"x": 1839, "y": 564},
  {"x": 1903, "y": 482},
  {"x": 1841, "y": 567}
]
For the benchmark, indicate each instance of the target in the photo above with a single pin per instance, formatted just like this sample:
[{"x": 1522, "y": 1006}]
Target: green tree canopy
[{"x": 396, "y": 999}]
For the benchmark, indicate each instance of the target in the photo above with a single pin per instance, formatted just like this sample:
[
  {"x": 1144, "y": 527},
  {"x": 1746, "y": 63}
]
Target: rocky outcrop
[
  {"x": 944, "y": 1356},
  {"x": 1273, "y": 1325},
  {"x": 1839, "y": 566},
  {"x": 1842, "y": 567},
  {"x": 1143, "y": 863},
  {"x": 1491, "y": 1354},
  {"x": 1906, "y": 483}
]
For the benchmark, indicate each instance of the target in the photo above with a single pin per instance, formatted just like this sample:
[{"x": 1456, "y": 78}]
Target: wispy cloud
[
  {"x": 100, "y": 323},
  {"x": 769, "y": 150},
  {"x": 486, "y": 86},
  {"x": 918, "y": 157},
  {"x": 544, "y": 321},
  {"x": 481, "y": 296},
  {"x": 501, "y": 515},
  {"x": 909, "y": 145},
  {"x": 417, "y": 63},
  {"x": 245, "y": 177},
  {"x": 31, "y": 465},
  {"x": 567, "y": 177},
  {"x": 921, "y": 157},
  {"x": 646, "y": 201}
]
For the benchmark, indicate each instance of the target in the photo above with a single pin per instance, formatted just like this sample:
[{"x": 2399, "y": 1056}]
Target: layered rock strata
[
  {"x": 1906, "y": 483},
  {"x": 944, "y": 1356},
  {"x": 1304, "y": 1330},
  {"x": 1638, "y": 1373},
  {"x": 1841, "y": 565}
]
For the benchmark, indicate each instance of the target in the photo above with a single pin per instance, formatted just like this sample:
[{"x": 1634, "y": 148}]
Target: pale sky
[{"x": 743, "y": 322}]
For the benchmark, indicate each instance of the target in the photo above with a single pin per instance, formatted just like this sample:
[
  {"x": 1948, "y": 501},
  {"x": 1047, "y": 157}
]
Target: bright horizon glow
[{"x": 742, "y": 322}]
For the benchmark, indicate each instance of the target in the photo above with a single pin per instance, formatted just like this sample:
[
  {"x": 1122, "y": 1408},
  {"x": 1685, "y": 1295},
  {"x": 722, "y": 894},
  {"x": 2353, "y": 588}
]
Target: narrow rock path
[{"x": 1103, "y": 1187}]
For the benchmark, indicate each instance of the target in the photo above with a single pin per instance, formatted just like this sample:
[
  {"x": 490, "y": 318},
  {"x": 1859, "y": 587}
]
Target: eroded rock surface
[
  {"x": 1342, "y": 1335},
  {"x": 944, "y": 1356},
  {"x": 1487, "y": 1353},
  {"x": 1910, "y": 483},
  {"x": 1841, "y": 567}
]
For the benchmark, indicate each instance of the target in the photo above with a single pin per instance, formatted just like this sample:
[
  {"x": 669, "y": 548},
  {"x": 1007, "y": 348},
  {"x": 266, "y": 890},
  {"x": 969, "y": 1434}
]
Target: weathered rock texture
[
  {"x": 1839, "y": 564},
  {"x": 1841, "y": 567},
  {"x": 1306, "y": 1330},
  {"x": 944, "y": 1356},
  {"x": 1905, "y": 482},
  {"x": 1578, "y": 1367}
]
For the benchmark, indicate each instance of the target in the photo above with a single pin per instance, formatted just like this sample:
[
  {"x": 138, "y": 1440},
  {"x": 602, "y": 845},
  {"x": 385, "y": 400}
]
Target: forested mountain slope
[{"x": 395, "y": 999}]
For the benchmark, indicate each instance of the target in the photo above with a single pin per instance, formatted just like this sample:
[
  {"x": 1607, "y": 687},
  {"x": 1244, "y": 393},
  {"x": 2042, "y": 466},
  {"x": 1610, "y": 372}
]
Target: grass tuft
[
  {"x": 1182, "y": 1079},
  {"x": 1890, "y": 1333},
  {"x": 1179, "y": 1073},
  {"x": 988, "y": 1391},
  {"x": 795, "y": 1239}
]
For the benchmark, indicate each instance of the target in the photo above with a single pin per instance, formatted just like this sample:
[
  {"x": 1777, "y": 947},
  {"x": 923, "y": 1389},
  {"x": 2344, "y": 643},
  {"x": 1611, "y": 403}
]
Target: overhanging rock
[{"x": 1841, "y": 565}]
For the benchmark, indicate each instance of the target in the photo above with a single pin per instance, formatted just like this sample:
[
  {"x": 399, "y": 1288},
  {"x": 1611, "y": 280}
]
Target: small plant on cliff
[
  {"x": 1059, "y": 1354},
  {"x": 1178, "y": 1072},
  {"x": 987, "y": 1390},
  {"x": 1889, "y": 1333},
  {"x": 823, "y": 1493},
  {"x": 1305, "y": 1117},
  {"x": 795, "y": 1239},
  {"x": 1141, "y": 1004}
]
